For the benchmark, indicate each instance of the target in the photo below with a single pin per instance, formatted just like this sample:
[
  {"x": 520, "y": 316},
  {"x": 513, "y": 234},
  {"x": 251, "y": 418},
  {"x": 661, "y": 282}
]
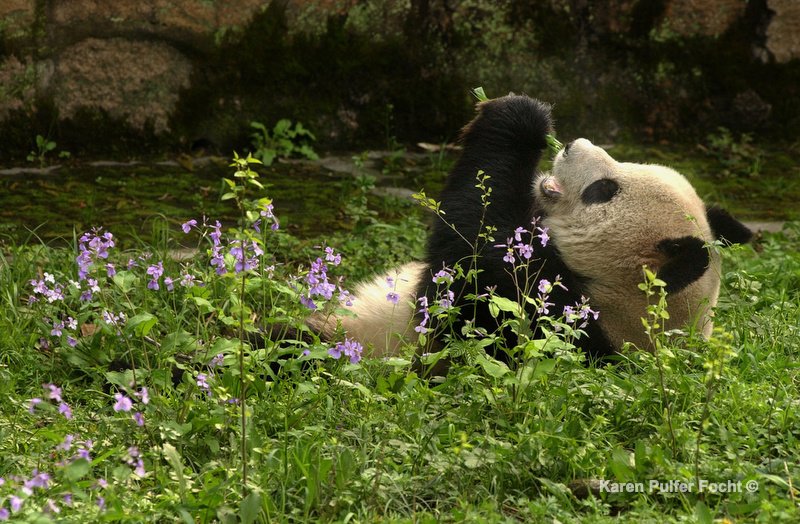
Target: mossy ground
[{"x": 313, "y": 200}]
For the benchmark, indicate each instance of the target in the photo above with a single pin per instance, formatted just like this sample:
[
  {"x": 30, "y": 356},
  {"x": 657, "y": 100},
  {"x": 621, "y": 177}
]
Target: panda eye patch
[{"x": 600, "y": 191}]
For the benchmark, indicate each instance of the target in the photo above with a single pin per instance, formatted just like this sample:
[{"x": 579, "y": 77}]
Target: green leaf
[
  {"x": 492, "y": 367},
  {"x": 141, "y": 324},
  {"x": 250, "y": 507},
  {"x": 703, "y": 513},
  {"x": 620, "y": 465},
  {"x": 174, "y": 460},
  {"x": 480, "y": 94},
  {"x": 203, "y": 305},
  {"x": 228, "y": 196},
  {"x": 125, "y": 281},
  {"x": 77, "y": 469},
  {"x": 504, "y": 304}
]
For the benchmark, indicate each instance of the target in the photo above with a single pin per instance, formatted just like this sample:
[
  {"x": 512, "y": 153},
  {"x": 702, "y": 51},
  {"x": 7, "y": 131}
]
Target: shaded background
[{"x": 132, "y": 77}]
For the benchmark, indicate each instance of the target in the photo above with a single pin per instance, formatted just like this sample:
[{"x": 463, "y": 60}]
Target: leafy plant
[
  {"x": 283, "y": 141},
  {"x": 43, "y": 147},
  {"x": 738, "y": 158}
]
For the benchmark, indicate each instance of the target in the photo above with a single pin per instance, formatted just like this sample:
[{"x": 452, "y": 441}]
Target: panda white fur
[{"x": 606, "y": 220}]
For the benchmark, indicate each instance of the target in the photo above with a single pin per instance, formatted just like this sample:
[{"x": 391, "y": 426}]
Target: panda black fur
[{"x": 605, "y": 220}]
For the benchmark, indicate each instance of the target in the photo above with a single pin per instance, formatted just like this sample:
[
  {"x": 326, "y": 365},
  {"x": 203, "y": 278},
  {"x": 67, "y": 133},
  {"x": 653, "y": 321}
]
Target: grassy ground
[{"x": 122, "y": 402}]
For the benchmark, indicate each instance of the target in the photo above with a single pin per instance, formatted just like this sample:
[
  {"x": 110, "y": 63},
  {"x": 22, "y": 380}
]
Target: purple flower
[
  {"x": 269, "y": 213},
  {"x": 217, "y": 361},
  {"x": 421, "y": 328},
  {"x": 188, "y": 225},
  {"x": 72, "y": 323},
  {"x": 55, "y": 392},
  {"x": 39, "y": 287},
  {"x": 57, "y": 327},
  {"x": 509, "y": 256},
  {"x": 524, "y": 250},
  {"x": 65, "y": 410},
  {"x": 216, "y": 234},
  {"x": 138, "y": 418},
  {"x": 101, "y": 503},
  {"x": 155, "y": 271},
  {"x": 318, "y": 284},
  {"x": 50, "y": 507},
  {"x": 111, "y": 270},
  {"x": 392, "y": 297},
  {"x": 446, "y": 302},
  {"x": 544, "y": 286},
  {"x": 187, "y": 280},
  {"x": 4, "y": 514},
  {"x": 123, "y": 403},
  {"x": 518, "y": 233},
  {"x": 32, "y": 403},
  {"x": 113, "y": 320},
  {"x": 345, "y": 297},
  {"x": 349, "y": 348},
  {"x": 202, "y": 383},
  {"x": 92, "y": 247},
  {"x": 244, "y": 260},
  {"x": 143, "y": 395},
  {"x": 16, "y": 503},
  {"x": 334, "y": 259},
  {"x": 543, "y": 236},
  {"x": 169, "y": 283},
  {"x": 66, "y": 444},
  {"x": 572, "y": 316},
  {"x": 443, "y": 276},
  {"x": 72, "y": 341},
  {"x": 307, "y": 302},
  {"x": 38, "y": 480}
]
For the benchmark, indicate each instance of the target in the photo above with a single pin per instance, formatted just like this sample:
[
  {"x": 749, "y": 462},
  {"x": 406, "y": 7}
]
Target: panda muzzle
[{"x": 550, "y": 187}]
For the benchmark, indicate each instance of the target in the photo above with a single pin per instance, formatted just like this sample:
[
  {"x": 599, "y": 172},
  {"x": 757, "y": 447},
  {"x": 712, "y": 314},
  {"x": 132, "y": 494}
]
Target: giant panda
[{"x": 605, "y": 219}]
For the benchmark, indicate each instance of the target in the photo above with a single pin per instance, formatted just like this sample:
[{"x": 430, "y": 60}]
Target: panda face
[
  {"x": 602, "y": 212},
  {"x": 609, "y": 218}
]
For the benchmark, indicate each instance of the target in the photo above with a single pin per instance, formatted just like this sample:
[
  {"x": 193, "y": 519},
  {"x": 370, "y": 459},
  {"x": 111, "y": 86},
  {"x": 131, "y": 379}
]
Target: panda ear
[{"x": 726, "y": 228}]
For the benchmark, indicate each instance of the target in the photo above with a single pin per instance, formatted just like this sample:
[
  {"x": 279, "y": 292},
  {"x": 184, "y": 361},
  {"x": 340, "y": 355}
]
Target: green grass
[{"x": 327, "y": 440}]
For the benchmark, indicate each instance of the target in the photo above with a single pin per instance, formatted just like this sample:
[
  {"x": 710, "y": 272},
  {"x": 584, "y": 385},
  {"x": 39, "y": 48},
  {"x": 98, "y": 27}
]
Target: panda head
[{"x": 609, "y": 218}]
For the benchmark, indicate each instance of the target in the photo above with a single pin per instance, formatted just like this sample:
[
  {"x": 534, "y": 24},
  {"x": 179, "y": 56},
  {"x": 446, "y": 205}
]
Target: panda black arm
[{"x": 725, "y": 227}]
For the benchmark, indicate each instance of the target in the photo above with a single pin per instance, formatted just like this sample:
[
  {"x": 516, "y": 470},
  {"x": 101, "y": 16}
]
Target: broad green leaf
[
  {"x": 250, "y": 507},
  {"x": 141, "y": 324}
]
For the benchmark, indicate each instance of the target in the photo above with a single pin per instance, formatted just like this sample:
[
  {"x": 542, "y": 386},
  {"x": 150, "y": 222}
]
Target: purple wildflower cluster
[
  {"x": 40, "y": 287},
  {"x": 267, "y": 213},
  {"x": 53, "y": 393},
  {"x": 517, "y": 246},
  {"x": 135, "y": 461},
  {"x": 444, "y": 299},
  {"x": 319, "y": 285},
  {"x": 93, "y": 249},
  {"x": 348, "y": 348},
  {"x": 245, "y": 254},
  {"x": 125, "y": 404},
  {"x": 580, "y": 312},
  {"x": 38, "y": 481},
  {"x": 544, "y": 289}
]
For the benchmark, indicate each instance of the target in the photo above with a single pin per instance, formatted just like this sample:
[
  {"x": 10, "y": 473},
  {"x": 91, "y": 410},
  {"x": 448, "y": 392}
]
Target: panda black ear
[{"x": 726, "y": 228}]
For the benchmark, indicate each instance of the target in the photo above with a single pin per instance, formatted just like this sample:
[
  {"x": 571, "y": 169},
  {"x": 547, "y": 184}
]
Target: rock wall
[{"x": 183, "y": 70}]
